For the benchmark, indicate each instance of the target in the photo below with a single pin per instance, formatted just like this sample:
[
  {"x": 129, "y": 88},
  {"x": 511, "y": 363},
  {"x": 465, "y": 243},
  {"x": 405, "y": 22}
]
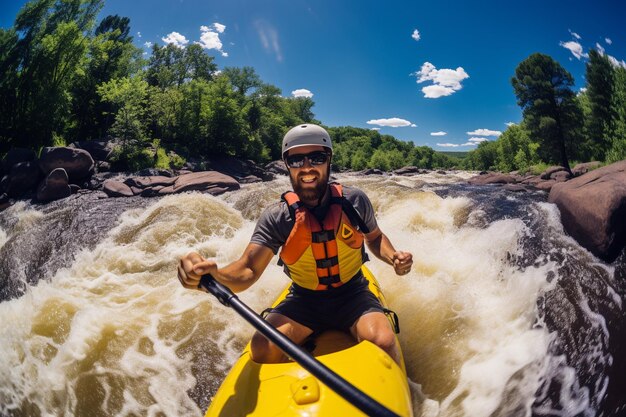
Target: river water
[{"x": 502, "y": 315}]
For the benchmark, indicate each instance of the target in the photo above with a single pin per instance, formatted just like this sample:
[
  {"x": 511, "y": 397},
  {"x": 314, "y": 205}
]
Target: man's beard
[{"x": 310, "y": 194}]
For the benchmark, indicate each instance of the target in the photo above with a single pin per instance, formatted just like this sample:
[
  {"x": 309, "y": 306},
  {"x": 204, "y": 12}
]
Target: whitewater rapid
[{"x": 109, "y": 331}]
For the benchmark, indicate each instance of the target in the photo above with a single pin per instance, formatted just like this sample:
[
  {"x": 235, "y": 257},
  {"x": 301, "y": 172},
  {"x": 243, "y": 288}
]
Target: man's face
[{"x": 309, "y": 181}]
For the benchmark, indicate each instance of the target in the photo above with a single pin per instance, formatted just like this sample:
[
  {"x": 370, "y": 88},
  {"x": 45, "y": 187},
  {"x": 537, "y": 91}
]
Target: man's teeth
[{"x": 308, "y": 178}]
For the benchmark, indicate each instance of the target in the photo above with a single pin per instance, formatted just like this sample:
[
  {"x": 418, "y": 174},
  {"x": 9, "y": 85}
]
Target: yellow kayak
[{"x": 287, "y": 389}]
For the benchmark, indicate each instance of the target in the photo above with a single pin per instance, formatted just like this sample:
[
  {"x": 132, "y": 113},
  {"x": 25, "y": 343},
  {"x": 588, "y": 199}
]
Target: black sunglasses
[{"x": 315, "y": 158}]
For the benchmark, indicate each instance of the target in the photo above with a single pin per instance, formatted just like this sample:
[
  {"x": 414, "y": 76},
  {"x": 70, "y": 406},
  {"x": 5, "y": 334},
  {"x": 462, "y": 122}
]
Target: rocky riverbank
[{"x": 592, "y": 202}]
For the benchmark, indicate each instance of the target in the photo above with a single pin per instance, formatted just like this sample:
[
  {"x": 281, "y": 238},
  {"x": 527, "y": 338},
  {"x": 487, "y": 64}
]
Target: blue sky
[{"x": 439, "y": 71}]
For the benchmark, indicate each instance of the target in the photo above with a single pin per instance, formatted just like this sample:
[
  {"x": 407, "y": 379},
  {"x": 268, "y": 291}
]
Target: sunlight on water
[{"x": 114, "y": 334}]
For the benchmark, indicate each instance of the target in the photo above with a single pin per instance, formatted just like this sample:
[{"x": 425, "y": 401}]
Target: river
[{"x": 503, "y": 314}]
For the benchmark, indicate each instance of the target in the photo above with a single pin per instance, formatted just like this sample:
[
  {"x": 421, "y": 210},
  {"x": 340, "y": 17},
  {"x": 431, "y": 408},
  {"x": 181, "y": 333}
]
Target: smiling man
[{"x": 320, "y": 229}]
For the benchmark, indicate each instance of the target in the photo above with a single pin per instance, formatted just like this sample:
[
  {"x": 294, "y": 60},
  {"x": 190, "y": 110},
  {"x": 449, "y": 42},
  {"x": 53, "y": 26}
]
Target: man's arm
[
  {"x": 381, "y": 247},
  {"x": 238, "y": 275}
]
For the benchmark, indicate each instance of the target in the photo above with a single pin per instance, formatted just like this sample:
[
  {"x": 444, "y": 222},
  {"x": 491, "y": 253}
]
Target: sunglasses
[{"x": 315, "y": 158}]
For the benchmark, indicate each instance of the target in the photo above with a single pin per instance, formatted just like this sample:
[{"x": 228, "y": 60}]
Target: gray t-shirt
[{"x": 275, "y": 223}]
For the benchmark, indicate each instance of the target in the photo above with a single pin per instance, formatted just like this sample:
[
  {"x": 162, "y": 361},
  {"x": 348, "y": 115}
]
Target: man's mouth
[{"x": 308, "y": 179}]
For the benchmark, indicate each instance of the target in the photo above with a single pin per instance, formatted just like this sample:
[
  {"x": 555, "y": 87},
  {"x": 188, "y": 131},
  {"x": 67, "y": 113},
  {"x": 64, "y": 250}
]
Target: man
[{"x": 321, "y": 228}]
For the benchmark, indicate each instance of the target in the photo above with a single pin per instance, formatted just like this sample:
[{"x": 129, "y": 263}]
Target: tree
[
  {"x": 543, "y": 90},
  {"x": 50, "y": 53},
  {"x": 172, "y": 66},
  {"x": 242, "y": 79},
  {"x": 111, "y": 55},
  {"x": 617, "y": 152},
  {"x": 128, "y": 95},
  {"x": 600, "y": 92}
]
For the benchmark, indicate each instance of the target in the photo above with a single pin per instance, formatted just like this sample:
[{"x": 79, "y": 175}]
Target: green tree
[
  {"x": 172, "y": 66},
  {"x": 543, "y": 90},
  {"x": 128, "y": 95},
  {"x": 111, "y": 54},
  {"x": 617, "y": 152},
  {"x": 242, "y": 79},
  {"x": 53, "y": 38},
  {"x": 600, "y": 91}
]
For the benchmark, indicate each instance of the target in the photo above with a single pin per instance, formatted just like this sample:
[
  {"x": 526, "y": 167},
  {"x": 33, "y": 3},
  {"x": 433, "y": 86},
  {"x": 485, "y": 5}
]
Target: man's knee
[
  {"x": 384, "y": 339},
  {"x": 263, "y": 351}
]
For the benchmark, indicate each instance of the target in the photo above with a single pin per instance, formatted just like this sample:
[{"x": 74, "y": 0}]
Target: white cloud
[
  {"x": 416, "y": 35},
  {"x": 375, "y": 128},
  {"x": 413, "y": 125},
  {"x": 574, "y": 34},
  {"x": 510, "y": 124},
  {"x": 616, "y": 63},
  {"x": 210, "y": 37},
  {"x": 575, "y": 48},
  {"x": 393, "y": 122},
  {"x": 445, "y": 81},
  {"x": 600, "y": 48},
  {"x": 476, "y": 141},
  {"x": 438, "y": 133},
  {"x": 302, "y": 92},
  {"x": 608, "y": 41},
  {"x": 485, "y": 132},
  {"x": 176, "y": 38},
  {"x": 448, "y": 145},
  {"x": 269, "y": 38},
  {"x": 148, "y": 44},
  {"x": 139, "y": 34}
]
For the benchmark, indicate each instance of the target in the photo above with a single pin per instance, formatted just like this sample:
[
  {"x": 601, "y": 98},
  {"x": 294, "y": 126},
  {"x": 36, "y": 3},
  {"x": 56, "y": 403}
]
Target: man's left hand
[{"x": 402, "y": 262}]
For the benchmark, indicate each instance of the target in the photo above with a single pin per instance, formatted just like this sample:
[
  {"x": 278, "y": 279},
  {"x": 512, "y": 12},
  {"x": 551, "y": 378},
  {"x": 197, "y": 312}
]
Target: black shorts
[{"x": 336, "y": 308}]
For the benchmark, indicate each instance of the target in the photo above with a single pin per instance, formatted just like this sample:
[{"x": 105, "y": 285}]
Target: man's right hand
[{"x": 192, "y": 267}]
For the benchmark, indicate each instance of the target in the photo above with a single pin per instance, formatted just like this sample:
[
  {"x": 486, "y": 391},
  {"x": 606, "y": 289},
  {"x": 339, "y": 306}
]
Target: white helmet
[{"x": 305, "y": 135}]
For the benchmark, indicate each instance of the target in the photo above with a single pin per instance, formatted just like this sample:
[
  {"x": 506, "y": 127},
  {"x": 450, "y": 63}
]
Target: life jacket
[{"x": 323, "y": 255}]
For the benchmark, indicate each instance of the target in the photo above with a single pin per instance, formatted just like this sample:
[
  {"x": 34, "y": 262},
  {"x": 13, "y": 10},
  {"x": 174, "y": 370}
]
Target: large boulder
[
  {"x": 492, "y": 178},
  {"x": 277, "y": 167},
  {"x": 585, "y": 167},
  {"x": 212, "y": 182},
  {"x": 23, "y": 178},
  {"x": 78, "y": 163},
  {"x": 593, "y": 209},
  {"x": 17, "y": 155},
  {"x": 100, "y": 150},
  {"x": 55, "y": 186}
]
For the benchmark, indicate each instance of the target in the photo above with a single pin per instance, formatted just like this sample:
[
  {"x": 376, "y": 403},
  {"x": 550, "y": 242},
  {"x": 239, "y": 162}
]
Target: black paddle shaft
[{"x": 338, "y": 384}]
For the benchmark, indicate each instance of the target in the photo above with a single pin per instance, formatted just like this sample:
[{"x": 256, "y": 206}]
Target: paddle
[{"x": 335, "y": 382}]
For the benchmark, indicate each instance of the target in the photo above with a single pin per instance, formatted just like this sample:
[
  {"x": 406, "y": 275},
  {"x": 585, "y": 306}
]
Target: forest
[{"x": 66, "y": 77}]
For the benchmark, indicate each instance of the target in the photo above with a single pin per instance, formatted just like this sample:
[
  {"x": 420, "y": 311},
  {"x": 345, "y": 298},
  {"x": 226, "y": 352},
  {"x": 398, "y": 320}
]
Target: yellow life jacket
[{"x": 322, "y": 255}]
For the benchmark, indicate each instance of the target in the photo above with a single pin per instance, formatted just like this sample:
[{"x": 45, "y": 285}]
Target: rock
[
  {"x": 238, "y": 169},
  {"x": 149, "y": 182},
  {"x": 560, "y": 176},
  {"x": 593, "y": 209},
  {"x": 4, "y": 201},
  {"x": 100, "y": 150},
  {"x": 370, "y": 171},
  {"x": 15, "y": 156},
  {"x": 492, "y": 178},
  {"x": 585, "y": 167},
  {"x": 250, "y": 179},
  {"x": 517, "y": 188},
  {"x": 103, "y": 166},
  {"x": 77, "y": 162},
  {"x": 151, "y": 172},
  {"x": 411, "y": 170},
  {"x": 23, "y": 178},
  {"x": 114, "y": 188},
  {"x": 545, "y": 175},
  {"x": 277, "y": 167},
  {"x": 54, "y": 187},
  {"x": 545, "y": 185},
  {"x": 213, "y": 182},
  {"x": 441, "y": 172}
]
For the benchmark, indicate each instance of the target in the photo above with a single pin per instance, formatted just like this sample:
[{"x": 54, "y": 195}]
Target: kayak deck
[{"x": 286, "y": 389}]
